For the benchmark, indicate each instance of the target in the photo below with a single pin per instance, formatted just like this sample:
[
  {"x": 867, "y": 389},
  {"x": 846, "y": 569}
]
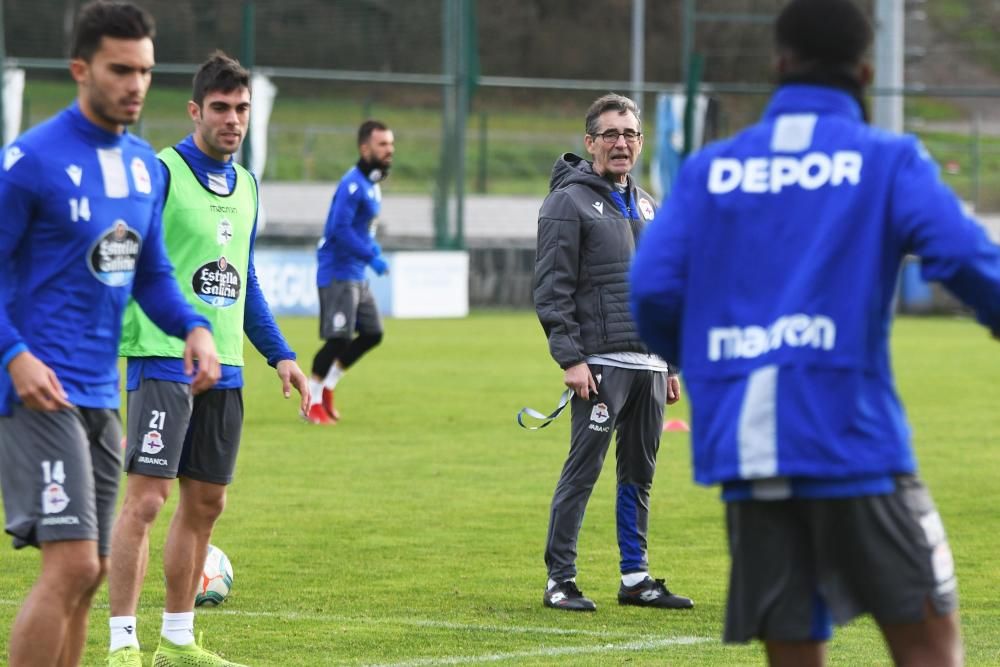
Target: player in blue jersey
[
  {"x": 210, "y": 221},
  {"x": 346, "y": 304},
  {"x": 80, "y": 231},
  {"x": 769, "y": 277}
]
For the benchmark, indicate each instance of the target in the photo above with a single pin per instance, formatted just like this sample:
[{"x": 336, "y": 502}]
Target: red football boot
[
  {"x": 328, "y": 405},
  {"x": 318, "y": 415}
]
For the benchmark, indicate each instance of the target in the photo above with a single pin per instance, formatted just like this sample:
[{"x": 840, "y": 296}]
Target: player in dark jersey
[{"x": 80, "y": 232}]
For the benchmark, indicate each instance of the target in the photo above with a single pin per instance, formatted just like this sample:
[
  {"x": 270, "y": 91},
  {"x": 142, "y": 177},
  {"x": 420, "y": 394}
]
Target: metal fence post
[
  {"x": 638, "y": 64},
  {"x": 248, "y": 47},
  {"x": 481, "y": 178}
]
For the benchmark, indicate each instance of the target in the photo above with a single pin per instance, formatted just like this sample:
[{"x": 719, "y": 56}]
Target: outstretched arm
[{"x": 953, "y": 248}]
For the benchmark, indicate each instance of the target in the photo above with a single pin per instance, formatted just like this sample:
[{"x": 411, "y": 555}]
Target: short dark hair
[
  {"x": 103, "y": 18},
  {"x": 220, "y": 73},
  {"x": 609, "y": 102},
  {"x": 827, "y": 33},
  {"x": 366, "y": 129}
]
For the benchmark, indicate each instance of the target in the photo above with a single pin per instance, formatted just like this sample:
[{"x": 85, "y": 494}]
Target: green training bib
[{"x": 207, "y": 236}]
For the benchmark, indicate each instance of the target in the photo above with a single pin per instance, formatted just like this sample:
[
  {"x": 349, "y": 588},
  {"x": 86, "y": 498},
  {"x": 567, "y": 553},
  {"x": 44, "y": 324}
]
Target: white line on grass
[
  {"x": 426, "y": 623},
  {"x": 429, "y": 623},
  {"x": 645, "y": 645}
]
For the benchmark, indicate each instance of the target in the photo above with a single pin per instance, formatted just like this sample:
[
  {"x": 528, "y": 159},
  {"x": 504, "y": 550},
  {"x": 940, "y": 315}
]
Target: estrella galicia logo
[
  {"x": 113, "y": 256},
  {"x": 217, "y": 283}
]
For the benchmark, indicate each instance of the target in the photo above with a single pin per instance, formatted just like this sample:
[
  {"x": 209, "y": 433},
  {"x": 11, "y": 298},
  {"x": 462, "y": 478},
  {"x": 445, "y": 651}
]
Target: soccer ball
[{"x": 216, "y": 579}]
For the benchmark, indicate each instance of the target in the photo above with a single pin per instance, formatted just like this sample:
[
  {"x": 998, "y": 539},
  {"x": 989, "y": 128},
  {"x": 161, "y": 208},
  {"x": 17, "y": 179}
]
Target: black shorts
[
  {"x": 800, "y": 564},
  {"x": 346, "y": 306},
  {"x": 202, "y": 447},
  {"x": 59, "y": 472},
  {"x": 159, "y": 412}
]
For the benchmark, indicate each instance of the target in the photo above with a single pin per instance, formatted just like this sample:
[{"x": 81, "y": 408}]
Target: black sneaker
[
  {"x": 652, "y": 593},
  {"x": 565, "y": 595}
]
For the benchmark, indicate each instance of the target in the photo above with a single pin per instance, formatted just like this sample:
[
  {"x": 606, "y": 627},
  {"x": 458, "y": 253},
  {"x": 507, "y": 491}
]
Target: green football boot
[
  {"x": 169, "y": 654},
  {"x": 127, "y": 656}
]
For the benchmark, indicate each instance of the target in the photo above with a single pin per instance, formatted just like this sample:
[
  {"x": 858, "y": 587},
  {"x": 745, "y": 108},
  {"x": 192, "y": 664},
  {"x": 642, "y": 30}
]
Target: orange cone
[{"x": 676, "y": 425}]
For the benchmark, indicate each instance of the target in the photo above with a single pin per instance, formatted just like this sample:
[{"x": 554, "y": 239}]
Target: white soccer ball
[{"x": 216, "y": 579}]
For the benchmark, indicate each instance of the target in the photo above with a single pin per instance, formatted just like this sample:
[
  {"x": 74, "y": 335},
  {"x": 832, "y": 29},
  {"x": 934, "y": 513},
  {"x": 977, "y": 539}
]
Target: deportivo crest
[
  {"x": 646, "y": 208},
  {"x": 599, "y": 413},
  {"x": 75, "y": 174},
  {"x": 10, "y": 158},
  {"x": 113, "y": 256},
  {"x": 54, "y": 499},
  {"x": 224, "y": 232},
  {"x": 152, "y": 442},
  {"x": 140, "y": 176}
]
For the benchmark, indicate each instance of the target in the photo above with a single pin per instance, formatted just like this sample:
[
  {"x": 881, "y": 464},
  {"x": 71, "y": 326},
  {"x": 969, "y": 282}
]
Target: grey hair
[{"x": 610, "y": 102}]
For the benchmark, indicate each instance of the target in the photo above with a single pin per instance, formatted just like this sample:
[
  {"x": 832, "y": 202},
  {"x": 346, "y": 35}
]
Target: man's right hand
[
  {"x": 36, "y": 384},
  {"x": 580, "y": 380},
  {"x": 379, "y": 266},
  {"x": 200, "y": 345}
]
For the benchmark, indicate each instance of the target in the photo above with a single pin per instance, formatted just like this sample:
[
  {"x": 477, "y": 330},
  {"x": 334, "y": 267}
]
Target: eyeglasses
[{"x": 611, "y": 136}]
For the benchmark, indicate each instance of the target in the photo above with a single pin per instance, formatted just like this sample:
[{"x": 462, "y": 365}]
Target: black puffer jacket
[{"x": 585, "y": 248}]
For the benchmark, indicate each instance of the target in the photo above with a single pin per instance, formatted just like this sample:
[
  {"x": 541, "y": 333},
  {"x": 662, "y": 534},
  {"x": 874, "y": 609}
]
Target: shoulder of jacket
[
  {"x": 138, "y": 144},
  {"x": 568, "y": 197},
  {"x": 353, "y": 182}
]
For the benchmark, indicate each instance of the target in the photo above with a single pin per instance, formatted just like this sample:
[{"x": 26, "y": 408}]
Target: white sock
[
  {"x": 333, "y": 376},
  {"x": 178, "y": 628},
  {"x": 633, "y": 578},
  {"x": 123, "y": 632},
  {"x": 315, "y": 391}
]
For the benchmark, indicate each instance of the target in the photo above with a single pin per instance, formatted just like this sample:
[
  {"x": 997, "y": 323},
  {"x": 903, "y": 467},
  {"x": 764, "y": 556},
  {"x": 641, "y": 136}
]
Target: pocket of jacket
[{"x": 602, "y": 319}]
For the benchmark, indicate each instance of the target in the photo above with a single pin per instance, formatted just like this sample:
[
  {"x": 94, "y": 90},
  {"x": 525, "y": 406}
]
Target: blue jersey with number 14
[{"x": 80, "y": 231}]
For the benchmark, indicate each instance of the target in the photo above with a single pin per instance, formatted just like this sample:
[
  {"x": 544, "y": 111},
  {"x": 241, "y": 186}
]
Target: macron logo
[
  {"x": 10, "y": 158},
  {"x": 772, "y": 174},
  {"x": 750, "y": 342},
  {"x": 599, "y": 207},
  {"x": 75, "y": 173}
]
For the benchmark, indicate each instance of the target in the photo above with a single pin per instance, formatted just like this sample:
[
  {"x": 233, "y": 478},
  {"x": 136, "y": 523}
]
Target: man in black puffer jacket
[{"x": 588, "y": 227}]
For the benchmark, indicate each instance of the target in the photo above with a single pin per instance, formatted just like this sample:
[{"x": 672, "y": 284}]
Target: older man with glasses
[{"x": 588, "y": 227}]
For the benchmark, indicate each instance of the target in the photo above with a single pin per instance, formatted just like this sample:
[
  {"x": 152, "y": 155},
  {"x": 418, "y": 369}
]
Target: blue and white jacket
[
  {"x": 80, "y": 231},
  {"x": 769, "y": 276},
  {"x": 348, "y": 243}
]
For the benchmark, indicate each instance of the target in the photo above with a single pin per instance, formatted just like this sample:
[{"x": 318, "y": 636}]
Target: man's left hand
[
  {"x": 292, "y": 376},
  {"x": 673, "y": 389}
]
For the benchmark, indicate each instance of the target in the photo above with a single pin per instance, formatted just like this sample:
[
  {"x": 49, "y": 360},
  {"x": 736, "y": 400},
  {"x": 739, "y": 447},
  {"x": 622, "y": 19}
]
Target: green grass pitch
[{"x": 412, "y": 532}]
